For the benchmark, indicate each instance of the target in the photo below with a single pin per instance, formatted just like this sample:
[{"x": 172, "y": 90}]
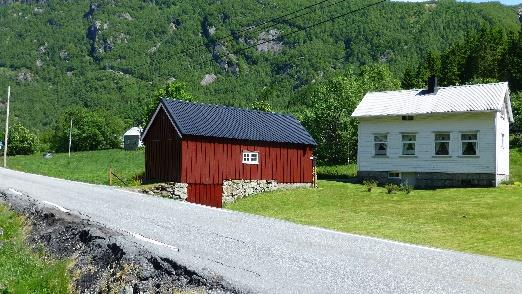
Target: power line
[
  {"x": 302, "y": 29},
  {"x": 277, "y": 20},
  {"x": 252, "y": 27}
]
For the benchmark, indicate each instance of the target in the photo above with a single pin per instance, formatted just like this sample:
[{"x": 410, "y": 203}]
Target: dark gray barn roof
[{"x": 205, "y": 120}]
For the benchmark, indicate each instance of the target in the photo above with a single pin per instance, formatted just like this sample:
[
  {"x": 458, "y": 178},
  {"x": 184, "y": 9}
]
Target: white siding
[
  {"x": 425, "y": 127},
  {"x": 502, "y": 127}
]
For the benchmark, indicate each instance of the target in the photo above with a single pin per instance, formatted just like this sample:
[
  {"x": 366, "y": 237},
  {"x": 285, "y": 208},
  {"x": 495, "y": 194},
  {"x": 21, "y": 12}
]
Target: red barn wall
[
  {"x": 208, "y": 161},
  {"x": 162, "y": 150}
]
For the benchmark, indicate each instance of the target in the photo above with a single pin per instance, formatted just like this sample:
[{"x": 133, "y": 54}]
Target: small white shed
[
  {"x": 440, "y": 137},
  {"x": 132, "y": 139}
]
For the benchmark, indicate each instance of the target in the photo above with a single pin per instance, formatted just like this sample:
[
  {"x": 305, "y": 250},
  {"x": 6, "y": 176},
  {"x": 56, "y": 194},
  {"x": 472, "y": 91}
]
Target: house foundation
[{"x": 435, "y": 179}]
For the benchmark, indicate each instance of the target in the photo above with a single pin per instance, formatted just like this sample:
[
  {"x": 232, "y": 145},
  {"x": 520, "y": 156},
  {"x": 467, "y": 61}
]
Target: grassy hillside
[
  {"x": 113, "y": 54},
  {"x": 90, "y": 167}
]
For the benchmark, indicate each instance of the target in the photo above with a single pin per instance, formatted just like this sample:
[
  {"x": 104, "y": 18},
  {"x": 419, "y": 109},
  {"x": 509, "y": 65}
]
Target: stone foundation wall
[
  {"x": 436, "y": 180},
  {"x": 169, "y": 190},
  {"x": 236, "y": 189}
]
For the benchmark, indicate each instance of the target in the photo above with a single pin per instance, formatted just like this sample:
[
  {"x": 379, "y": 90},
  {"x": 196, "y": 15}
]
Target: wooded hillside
[{"x": 112, "y": 55}]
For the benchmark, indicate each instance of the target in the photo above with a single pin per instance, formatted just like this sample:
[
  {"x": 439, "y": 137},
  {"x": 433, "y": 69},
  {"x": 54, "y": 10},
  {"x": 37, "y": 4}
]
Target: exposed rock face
[
  {"x": 99, "y": 44},
  {"x": 125, "y": 16},
  {"x": 7, "y": 2},
  {"x": 268, "y": 41},
  {"x": 225, "y": 60},
  {"x": 237, "y": 189},
  {"x": 64, "y": 55},
  {"x": 25, "y": 76},
  {"x": 208, "y": 79},
  {"x": 92, "y": 9}
]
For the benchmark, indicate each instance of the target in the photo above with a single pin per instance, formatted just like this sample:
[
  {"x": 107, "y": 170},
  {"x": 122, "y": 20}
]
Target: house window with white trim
[
  {"x": 408, "y": 144},
  {"x": 469, "y": 143},
  {"x": 250, "y": 157},
  {"x": 442, "y": 143},
  {"x": 380, "y": 142}
]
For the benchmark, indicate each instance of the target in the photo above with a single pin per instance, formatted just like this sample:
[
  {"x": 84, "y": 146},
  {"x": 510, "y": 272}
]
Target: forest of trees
[{"x": 91, "y": 58}]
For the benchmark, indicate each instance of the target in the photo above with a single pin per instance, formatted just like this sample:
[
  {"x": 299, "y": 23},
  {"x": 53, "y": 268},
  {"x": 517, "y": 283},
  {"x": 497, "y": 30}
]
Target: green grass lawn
[
  {"x": 21, "y": 269},
  {"x": 90, "y": 167},
  {"x": 483, "y": 220},
  {"x": 480, "y": 220}
]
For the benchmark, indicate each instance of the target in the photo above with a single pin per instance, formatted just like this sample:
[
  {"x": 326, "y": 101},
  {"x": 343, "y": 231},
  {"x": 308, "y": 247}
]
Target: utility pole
[
  {"x": 7, "y": 126},
  {"x": 70, "y": 138}
]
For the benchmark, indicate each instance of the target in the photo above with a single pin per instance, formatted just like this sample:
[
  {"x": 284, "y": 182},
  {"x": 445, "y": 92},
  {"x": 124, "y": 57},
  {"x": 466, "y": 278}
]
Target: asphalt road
[{"x": 265, "y": 255}]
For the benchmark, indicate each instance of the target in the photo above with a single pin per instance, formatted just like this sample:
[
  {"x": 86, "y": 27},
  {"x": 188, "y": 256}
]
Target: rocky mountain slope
[{"x": 114, "y": 54}]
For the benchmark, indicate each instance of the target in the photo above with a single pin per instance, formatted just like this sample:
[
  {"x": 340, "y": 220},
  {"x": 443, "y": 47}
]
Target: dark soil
[{"x": 105, "y": 261}]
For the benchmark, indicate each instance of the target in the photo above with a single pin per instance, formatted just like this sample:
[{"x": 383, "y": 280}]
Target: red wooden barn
[{"x": 204, "y": 145}]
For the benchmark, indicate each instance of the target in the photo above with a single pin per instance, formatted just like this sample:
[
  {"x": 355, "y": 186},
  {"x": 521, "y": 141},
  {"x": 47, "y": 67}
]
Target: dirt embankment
[{"x": 105, "y": 261}]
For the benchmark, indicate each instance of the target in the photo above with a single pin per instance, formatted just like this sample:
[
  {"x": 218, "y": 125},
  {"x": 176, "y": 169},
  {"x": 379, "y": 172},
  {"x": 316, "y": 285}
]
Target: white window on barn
[
  {"x": 469, "y": 143},
  {"x": 380, "y": 142},
  {"x": 408, "y": 144},
  {"x": 442, "y": 143},
  {"x": 250, "y": 157}
]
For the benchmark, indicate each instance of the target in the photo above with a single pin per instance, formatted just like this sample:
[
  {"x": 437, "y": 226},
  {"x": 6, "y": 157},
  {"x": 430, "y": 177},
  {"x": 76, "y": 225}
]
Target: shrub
[
  {"x": 21, "y": 141},
  {"x": 92, "y": 130},
  {"x": 406, "y": 188},
  {"x": 370, "y": 184},
  {"x": 391, "y": 188},
  {"x": 507, "y": 182}
]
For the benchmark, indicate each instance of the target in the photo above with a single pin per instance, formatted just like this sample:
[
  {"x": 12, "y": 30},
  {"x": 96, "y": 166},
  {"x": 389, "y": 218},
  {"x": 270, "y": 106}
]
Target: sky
[{"x": 507, "y": 2}]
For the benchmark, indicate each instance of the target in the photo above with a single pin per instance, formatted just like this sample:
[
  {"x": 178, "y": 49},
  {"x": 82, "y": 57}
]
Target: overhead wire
[{"x": 302, "y": 29}]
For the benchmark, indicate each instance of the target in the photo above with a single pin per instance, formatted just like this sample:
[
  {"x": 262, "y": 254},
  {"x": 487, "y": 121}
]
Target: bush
[
  {"x": 370, "y": 184},
  {"x": 516, "y": 140},
  {"x": 391, "y": 188},
  {"x": 92, "y": 130},
  {"x": 21, "y": 141},
  {"x": 406, "y": 188}
]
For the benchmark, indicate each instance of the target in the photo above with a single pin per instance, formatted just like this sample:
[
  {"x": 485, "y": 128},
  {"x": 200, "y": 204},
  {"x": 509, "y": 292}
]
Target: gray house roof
[
  {"x": 455, "y": 99},
  {"x": 196, "y": 119}
]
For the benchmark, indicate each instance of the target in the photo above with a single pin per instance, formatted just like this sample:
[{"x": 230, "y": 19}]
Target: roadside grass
[
  {"x": 479, "y": 220},
  {"x": 23, "y": 270},
  {"x": 90, "y": 167}
]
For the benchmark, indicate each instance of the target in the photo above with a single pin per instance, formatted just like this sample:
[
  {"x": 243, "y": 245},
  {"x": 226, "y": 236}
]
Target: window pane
[
  {"x": 380, "y": 138},
  {"x": 467, "y": 137},
  {"x": 253, "y": 156},
  {"x": 408, "y": 138},
  {"x": 380, "y": 148},
  {"x": 442, "y": 137},
  {"x": 408, "y": 149},
  {"x": 469, "y": 148},
  {"x": 442, "y": 148}
]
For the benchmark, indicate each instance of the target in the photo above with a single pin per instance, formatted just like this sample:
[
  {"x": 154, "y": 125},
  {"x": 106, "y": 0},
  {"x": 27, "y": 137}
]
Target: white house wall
[
  {"x": 425, "y": 127},
  {"x": 502, "y": 126}
]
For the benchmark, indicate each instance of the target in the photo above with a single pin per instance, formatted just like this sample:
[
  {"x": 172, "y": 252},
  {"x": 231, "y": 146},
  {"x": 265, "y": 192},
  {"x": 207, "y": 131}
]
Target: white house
[
  {"x": 132, "y": 139},
  {"x": 439, "y": 137}
]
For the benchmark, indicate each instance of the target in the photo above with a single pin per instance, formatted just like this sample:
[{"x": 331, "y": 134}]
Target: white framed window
[
  {"x": 394, "y": 175},
  {"x": 380, "y": 142},
  {"x": 250, "y": 157},
  {"x": 469, "y": 143},
  {"x": 408, "y": 144},
  {"x": 442, "y": 143}
]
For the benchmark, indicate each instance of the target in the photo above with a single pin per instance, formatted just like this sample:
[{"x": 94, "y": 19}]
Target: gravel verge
[{"x": 104, "y": 260}]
